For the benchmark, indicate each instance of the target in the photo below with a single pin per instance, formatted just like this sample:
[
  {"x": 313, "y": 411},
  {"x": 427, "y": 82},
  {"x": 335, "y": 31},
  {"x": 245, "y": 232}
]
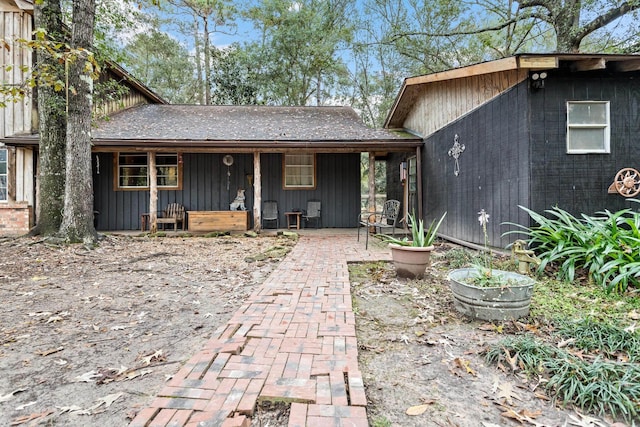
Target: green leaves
[{"x": 605, "y": 245}]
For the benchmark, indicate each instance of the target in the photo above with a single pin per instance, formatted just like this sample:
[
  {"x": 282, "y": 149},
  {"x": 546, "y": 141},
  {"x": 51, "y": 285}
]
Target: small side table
[
  {"x": 290, "y": 216},
  {"x": 144, "y": 221}
]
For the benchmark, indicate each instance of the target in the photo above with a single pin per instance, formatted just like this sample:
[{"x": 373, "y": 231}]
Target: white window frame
[
  {"x": 299, "y": 171},
  {"x": 606, "y": 127},
  {"x": 177, "y": 167},
  {"x": 4, "y": 177}
]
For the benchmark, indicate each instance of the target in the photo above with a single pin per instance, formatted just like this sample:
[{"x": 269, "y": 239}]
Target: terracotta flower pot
[
  {"x": 507, "y": 302},
  {"x": 410, "y": 261}
]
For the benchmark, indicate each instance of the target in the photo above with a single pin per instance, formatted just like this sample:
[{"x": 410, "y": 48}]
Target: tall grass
[{"x": 606, "y": 245}]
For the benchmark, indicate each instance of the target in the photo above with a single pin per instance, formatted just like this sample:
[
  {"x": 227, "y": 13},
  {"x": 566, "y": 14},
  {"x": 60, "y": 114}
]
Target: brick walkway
[{"x": 294, "y": 340}]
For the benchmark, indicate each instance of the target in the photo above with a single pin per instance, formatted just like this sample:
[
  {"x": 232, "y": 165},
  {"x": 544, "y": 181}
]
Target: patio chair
[
  {"x": 172, "y": 214},
  {"x": 313, "y": 213},
  {"x": 270, "y": 212},
  {"x": 383, "y": 220}
]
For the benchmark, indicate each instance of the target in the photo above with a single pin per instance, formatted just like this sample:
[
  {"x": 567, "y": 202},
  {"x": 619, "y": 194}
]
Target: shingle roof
[{"x": 240, "y": 123}]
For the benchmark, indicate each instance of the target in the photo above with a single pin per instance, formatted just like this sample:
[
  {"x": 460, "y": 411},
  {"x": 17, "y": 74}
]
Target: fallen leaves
[
  {"x": 11, "y": 395},
  {"x": 465, "y": 365},
  {"x": 102, "y": 404},
  {"x": 31, "y": 417}
]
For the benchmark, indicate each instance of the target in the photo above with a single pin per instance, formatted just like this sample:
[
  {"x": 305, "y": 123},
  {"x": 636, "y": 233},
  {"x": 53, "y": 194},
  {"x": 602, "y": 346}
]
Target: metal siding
[{"x": 205, "y": 188}]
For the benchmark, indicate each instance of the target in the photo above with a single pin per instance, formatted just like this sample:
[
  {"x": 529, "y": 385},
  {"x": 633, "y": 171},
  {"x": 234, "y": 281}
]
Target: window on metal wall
[
  {"x": 588, "y": 127},
  {"x": 3, "y": 175},
  {"x": 133, "y": 171}
]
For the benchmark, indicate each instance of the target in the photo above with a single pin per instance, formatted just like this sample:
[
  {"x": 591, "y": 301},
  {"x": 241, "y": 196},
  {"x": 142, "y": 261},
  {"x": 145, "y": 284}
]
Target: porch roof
[{"x": 157, "y": 127}]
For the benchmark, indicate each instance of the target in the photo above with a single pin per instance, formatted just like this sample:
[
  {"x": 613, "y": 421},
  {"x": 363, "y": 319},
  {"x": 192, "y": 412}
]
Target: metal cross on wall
[{"x": 455, "y": 152}]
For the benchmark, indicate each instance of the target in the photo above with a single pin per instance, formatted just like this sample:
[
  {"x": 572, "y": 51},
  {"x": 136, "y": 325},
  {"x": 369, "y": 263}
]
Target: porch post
[
  {"x": 153, "y": 193},
  {"x": 257, "y": 192},
  {"x": 419, "y": 180},
  {"x": 372, "y": 182}
]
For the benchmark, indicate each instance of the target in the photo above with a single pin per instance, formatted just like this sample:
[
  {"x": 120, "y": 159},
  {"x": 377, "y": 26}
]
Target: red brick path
[{"x": 294, "y": 340}]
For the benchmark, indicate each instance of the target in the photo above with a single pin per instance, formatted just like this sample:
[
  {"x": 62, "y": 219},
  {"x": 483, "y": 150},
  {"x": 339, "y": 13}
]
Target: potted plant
[
  {"x": 412, "y": 256},
  {"x": 483, "y": 292}
]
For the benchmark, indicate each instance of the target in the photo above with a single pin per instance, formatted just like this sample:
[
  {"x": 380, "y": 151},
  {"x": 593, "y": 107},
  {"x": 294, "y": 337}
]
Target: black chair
[
  {"x": 270, "y": 212},
  {"x": 314, "y": 208}
]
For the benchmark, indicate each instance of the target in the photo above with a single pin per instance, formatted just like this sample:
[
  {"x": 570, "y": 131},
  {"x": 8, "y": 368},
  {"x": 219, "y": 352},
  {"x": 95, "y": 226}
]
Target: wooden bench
[{"x": 172, "y": 214}]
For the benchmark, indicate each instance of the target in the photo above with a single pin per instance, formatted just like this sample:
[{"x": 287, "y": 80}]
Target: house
[
  {"x": 19, "y": 121},
  {"x": 203, "y": 155},
  {"x": 539, "y": 130}
]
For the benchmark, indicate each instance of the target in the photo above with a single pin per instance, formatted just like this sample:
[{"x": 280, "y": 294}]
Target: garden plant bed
[{"x": 418, "y": 353}]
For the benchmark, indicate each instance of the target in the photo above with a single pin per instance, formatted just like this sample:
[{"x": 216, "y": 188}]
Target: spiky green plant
[
  {"x": 420, "y": 237},
  {"x": 600, "y": 337},
  {"x": 605, "y": 245}
]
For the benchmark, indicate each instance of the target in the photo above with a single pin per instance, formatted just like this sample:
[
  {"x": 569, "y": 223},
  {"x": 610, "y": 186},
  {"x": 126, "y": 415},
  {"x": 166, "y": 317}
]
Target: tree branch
[
  {"x": 607, "y": 18},
  {"x": 496, "y": 27}
]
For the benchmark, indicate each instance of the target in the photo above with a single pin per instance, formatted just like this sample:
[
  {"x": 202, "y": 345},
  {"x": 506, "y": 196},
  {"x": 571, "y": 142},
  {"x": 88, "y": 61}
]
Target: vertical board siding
[
  {"x": 445, "y": 102},
  {"x": 494, "y": 171},
  {"x": 15, "y": 118},
  {"x": 578, "y": 183},
  {"x": 205, "y": 189}
]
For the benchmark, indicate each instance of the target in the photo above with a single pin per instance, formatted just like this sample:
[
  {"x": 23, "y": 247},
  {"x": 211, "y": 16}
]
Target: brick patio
[{"x": 293, "y": 340}]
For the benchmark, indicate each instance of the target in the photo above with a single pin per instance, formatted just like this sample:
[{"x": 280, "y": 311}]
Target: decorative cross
[{"x": 455, "y": 152}]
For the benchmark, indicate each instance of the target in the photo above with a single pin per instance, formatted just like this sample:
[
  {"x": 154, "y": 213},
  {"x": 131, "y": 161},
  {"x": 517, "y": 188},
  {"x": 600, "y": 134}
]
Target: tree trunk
[
  {"x": 196, "y": 39},
  {"x": 207, "y": 62},
  {"x": 52, "y": 123},
  {"x": 77, "y": 223}
]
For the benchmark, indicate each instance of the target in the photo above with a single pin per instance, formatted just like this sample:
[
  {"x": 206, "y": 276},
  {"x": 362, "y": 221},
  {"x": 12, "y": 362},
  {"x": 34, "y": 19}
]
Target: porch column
[
  {"x": 419, "y": 180},
  {"x": 153, "y": 193},
  {"x": 257, "y": 193},
  {"x": 372, "y": 182}
]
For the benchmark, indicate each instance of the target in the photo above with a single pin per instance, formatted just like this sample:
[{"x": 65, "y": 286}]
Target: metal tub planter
[{"x": 511, "y": 300}]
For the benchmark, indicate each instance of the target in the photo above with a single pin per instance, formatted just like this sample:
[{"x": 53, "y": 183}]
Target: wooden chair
[
  {"x": 313, "y": 213},
  {"x": 172, "y": 214},
  {"x": 385, "y": 219},
  {"x": 270, "y": 212}
]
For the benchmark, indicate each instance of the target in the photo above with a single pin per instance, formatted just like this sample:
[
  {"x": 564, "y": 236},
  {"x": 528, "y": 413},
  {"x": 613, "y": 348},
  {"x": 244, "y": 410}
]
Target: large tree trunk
[
  {"x": 207, "y": 62},
  {"x": 77, "y": 223},
  {"x": 52, "y": 123}
]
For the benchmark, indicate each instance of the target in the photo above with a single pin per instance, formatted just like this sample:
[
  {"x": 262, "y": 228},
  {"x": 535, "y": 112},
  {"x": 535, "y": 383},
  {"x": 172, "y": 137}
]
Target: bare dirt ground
[{"x": 88, "y": 336}]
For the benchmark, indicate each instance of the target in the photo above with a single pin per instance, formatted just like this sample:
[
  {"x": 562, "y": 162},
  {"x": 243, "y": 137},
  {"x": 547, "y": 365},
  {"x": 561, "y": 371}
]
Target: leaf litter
[{"x": 89, "y": 337}]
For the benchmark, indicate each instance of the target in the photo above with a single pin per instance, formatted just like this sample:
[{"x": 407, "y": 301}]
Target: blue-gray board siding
[
  {"x": 515, "y": 154},
  {"x": 205, "y": 188},
  {"x": 578, "y": 183},
  {"x": 494, "y": 170}
]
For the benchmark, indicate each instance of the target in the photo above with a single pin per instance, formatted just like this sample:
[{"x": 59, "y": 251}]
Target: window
[
  {"x": 299, "y": 171},
  {"x": 588, "y": 127},
  {"x": 3, "y": 175},
  {"x": 133, "y": 171}
]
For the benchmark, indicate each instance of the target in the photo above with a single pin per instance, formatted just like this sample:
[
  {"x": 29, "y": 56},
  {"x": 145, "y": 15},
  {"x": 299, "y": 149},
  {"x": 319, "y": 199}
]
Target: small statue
[{"x": 238, "y": 202}]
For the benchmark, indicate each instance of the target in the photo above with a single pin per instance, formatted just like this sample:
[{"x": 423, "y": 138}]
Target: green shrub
[{"x": 605, "y": 245}]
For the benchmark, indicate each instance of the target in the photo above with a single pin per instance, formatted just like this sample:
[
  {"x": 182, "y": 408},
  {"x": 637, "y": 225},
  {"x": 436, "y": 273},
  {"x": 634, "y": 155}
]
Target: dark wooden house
[
  {"x": 532, "y": 130},
  {"x": 202, "y": 154},
  {"x": 287, "y": 154}
]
